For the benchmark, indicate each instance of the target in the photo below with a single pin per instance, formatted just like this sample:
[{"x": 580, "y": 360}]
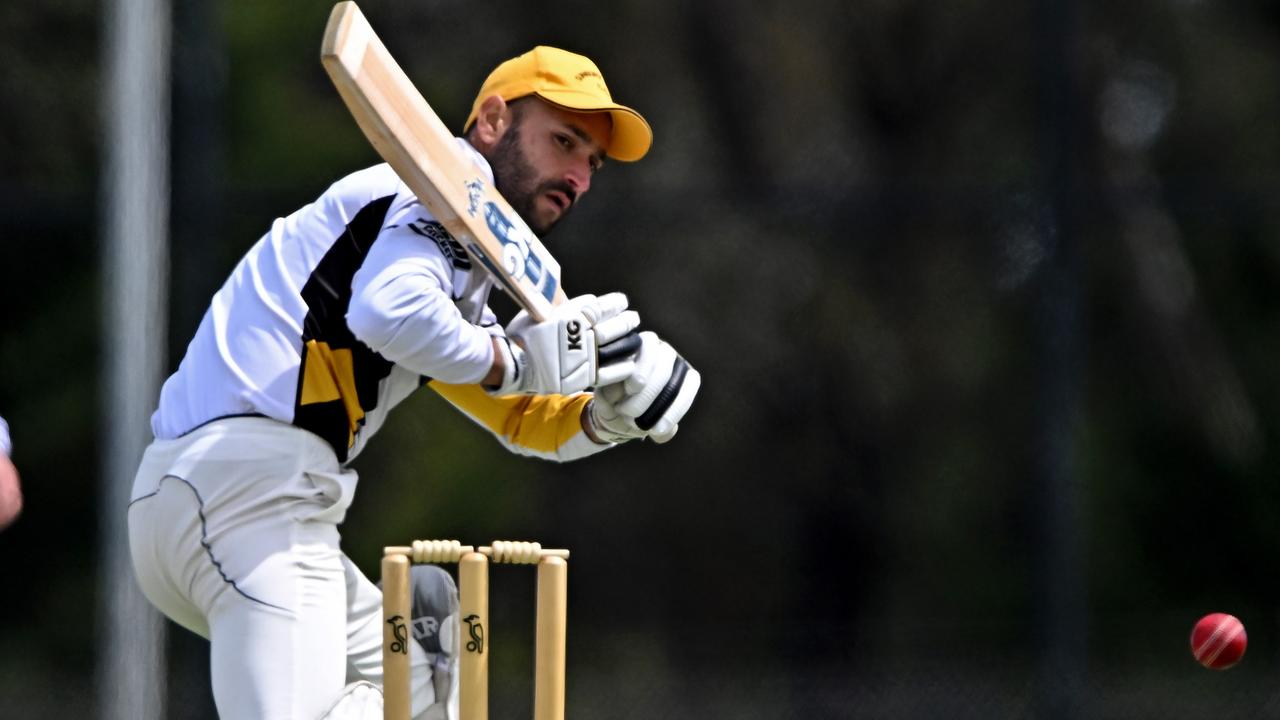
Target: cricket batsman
[{"x": 336, "y": 315}]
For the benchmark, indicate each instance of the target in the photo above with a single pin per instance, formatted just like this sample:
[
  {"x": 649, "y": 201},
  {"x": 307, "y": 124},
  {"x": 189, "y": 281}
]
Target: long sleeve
[
  {"x": 543, "y": 426},
  {"x": 403, "y": 303}
]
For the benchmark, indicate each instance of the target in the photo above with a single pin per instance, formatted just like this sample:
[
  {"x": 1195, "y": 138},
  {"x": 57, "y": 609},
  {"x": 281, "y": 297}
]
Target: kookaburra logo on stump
[
  {"x": 401, "y": 634},
  {"x": 476, "y": 631}
]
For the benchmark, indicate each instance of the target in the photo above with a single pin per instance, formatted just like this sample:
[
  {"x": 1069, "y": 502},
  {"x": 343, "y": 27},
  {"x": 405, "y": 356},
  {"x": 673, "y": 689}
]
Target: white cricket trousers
[{"x": 233, "y": 530}]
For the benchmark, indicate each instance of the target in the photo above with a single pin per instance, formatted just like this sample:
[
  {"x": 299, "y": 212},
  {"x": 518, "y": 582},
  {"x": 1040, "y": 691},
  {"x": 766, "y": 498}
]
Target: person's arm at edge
[{"x": 10, "y": 486}]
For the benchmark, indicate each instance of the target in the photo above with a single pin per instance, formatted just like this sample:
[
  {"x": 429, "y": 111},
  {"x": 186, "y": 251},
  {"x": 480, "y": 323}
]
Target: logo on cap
[{"x": 582, "y": 76}]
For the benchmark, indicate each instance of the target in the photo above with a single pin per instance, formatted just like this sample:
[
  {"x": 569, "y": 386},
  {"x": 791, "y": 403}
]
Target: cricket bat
[{"x": 411, "y": 138}]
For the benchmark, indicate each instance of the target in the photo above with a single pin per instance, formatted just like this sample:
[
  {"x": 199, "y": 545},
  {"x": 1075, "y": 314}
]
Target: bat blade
[{"x": 411, "y": 138}]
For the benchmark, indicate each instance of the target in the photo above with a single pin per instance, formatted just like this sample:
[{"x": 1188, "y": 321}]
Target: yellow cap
[{"x": 571, "y": 82}]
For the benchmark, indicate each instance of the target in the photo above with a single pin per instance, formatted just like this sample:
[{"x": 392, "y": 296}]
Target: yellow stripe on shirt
[
  {"x": 541, "y": 423},
  {"x": 328, "y": 374}
]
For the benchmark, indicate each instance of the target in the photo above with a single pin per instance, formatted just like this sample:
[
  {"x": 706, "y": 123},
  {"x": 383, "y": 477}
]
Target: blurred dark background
[{"x": 983, "y": 294}]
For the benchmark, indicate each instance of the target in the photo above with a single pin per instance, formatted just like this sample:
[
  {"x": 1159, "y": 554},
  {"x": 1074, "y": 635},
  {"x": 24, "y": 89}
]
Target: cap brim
[{"x": 631, "y": 136}]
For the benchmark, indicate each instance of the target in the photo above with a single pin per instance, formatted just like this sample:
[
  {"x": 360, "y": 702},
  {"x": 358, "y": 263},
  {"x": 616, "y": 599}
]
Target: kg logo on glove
[
  {"x": 574, "y": 329},
  {"x": 561, "y": 355}
]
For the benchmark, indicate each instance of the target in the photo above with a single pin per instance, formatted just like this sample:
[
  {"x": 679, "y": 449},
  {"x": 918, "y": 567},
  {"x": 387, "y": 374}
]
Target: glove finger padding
[
  {"x": 617, "y": 360},
  {"x": 612, "y": 394},
  {"x": 609, "y": 424},
  {"x": 599, "y": 309},
  {"x": 611, "y": 320},
  {"x": 653, "y": 367},
  {"x": 668, "y": 422},
  {"x": 660, "y": 391},
  {"x": 623, "y": 348},
  {"x": 617, "y": 347},
  {"x": 615, "y": 326},
  {"x": 666, "y": 396}
]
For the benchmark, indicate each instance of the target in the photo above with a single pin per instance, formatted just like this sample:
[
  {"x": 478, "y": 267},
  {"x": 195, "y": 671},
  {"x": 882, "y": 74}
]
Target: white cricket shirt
[{"x": 335, "y": 316}]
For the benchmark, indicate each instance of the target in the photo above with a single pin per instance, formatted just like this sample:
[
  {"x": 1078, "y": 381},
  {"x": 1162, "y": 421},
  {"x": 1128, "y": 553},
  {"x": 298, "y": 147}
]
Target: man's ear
[{"x": 493, "y": 120}]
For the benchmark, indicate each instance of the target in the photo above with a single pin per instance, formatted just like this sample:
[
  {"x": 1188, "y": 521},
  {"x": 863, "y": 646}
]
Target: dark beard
[{"x": 517, "y": 181}]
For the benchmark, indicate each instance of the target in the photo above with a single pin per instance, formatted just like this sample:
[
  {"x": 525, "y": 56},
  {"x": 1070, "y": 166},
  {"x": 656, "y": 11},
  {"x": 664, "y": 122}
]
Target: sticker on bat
[
  {"x": 475, "y": 193},
  {"x": 518, "y": 258}
]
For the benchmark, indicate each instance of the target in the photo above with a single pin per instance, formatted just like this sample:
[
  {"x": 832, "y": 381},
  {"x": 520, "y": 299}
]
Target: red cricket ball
[{"x": 1218, "y": 641}]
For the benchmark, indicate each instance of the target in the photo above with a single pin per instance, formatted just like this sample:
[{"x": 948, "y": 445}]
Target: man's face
[{"x": 543, "y": 163}]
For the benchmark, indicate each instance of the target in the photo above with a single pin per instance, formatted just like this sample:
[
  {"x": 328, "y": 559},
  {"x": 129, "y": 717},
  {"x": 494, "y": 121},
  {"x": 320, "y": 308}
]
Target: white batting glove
[
  {"x": 607, "y": 424},
  {"x": 651, "y": 401},
  {"x": 570, "y": 351}
]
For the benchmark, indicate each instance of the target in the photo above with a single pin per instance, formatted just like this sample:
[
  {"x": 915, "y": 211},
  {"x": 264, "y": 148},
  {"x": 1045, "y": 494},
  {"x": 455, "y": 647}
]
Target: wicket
[{"x": 473, "y": 613}]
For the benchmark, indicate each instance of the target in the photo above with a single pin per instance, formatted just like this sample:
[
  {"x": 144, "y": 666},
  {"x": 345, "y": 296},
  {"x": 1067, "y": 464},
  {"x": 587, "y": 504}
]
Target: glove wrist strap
[{"x": 514, "y": 368}]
